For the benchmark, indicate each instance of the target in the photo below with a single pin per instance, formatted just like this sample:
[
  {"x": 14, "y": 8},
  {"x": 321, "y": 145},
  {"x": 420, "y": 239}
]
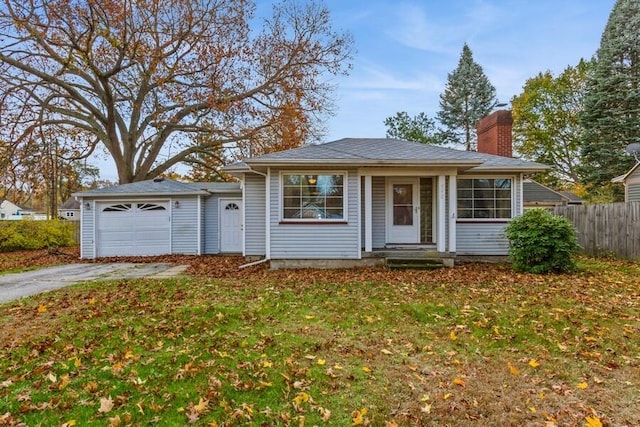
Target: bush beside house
[{"x": 542, "y": 243}]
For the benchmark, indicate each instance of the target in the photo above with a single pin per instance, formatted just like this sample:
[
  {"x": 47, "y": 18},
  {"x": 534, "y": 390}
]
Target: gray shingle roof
[
  {"x": 534, "y": 192},
  {"x": 218, "y": 187},
  {"x": 156, "y": 187},
  {"x": 70, "y": 204},
  {"x": 386, "y": 151}
]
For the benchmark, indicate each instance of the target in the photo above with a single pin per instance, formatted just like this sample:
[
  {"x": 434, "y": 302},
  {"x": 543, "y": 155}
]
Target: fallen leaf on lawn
[
  {"x": 7, "y": 383},
  {"x": 301, "y": 397},
  {"x": 106, "y": 404},
  {"x": 51, "y": 377},
  {"x": 390, "y": 423},
  {"x": 513, "y": 369},
  {"x": 92, "y": 301},
  {"x": 366, "y": 369},
  {"x": 358, "y": 417},
  {"x": 267, "y": 364},
  {"x": 453, "y": 336},
  {"x": 321, "y": 362},
  {"x": 532, "y": 409},
  {"x": 534, "y": 363},
  {"x": 69, "y": 423},
  {"x": 582, "y": 385},
  {"x": 202, "y": 406},
  {"x": 326, "y": 414},
  {"x": 42, "y": 308},
  {"x": 446, "y": 396},
  {"x": 385, "y": 351},
  {"x": 426, "y": 409},
  {"x": 309, "y": 316},
  {"x": 593, "y": 422},
  {"x": 115, "y": 421},
  {"x": 459, "y": 381}
]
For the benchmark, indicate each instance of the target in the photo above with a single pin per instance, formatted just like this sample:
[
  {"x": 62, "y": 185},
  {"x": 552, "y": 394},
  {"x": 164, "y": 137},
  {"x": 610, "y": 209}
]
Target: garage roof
[{"x": 159, "y": 187}]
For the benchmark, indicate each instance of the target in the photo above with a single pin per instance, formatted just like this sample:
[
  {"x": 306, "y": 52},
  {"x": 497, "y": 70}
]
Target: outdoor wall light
[
  {"x": 87, "y": 206},
  {"x": 176, "y": 204}
]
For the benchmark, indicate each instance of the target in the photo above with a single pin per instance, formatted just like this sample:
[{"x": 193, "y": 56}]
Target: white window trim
[
  {"x": 514, "y": 182},
  {"x": 345, "y": 198}
]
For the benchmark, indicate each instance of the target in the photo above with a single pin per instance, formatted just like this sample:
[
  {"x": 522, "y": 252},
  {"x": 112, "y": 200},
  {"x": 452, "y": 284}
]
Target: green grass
[{"x": 452, "y": 347}]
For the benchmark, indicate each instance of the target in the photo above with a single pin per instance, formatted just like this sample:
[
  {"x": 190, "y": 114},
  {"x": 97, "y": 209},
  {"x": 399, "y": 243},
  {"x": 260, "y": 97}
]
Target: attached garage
[
  {"x": 159, "y": 217},
  {"x": 135, "y": 228}
]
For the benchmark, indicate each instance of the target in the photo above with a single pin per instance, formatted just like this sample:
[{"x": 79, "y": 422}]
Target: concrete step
[{"x": 414, "y": 263}]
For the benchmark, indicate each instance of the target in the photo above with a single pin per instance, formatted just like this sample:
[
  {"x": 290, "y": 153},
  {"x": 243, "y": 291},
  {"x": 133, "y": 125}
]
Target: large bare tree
[{"x": 160, "y": 82}]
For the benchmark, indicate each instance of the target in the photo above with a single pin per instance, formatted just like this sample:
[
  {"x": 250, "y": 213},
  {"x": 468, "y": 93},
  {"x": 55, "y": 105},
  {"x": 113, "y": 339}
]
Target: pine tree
[
  {"x": 467, "y": 97},
  {"x": 611, "y": 117}
]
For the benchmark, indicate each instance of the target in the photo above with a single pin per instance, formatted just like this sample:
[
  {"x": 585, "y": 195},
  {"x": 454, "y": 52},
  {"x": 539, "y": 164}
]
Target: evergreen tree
[
  {"x": 467, "y": 97},
  {"x": 611, "y": 117}
]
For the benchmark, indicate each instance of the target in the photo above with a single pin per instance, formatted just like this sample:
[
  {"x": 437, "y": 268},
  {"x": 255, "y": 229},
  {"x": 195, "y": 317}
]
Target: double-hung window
[
  {"x": 313, "y": 197},
  {"x": 485, "y": 198}
]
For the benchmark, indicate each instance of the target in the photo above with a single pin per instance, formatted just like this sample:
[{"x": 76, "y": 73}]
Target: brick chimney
[{"x": 494, "y": 134}]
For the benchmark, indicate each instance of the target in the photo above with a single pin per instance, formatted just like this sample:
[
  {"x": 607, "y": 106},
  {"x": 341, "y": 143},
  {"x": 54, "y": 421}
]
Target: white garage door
[{"x": 133, "y": 228}]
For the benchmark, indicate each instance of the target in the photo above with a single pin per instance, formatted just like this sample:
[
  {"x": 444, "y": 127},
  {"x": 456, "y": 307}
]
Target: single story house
[
  {"x": 70, "y": 209},
  {"x": 631, "y": 181},
  {"x": 342, "y": 203},
  {"x": 9, "y": 210}
]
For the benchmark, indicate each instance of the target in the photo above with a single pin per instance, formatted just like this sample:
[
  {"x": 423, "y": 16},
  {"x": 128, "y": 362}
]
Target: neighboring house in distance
[
  {"x": 70, "y": 209},
  {"x": 9, "y": 210},
  {"x": 342, "y": 203},
  {"x": 631, "y": 182},
  {"x": 537, "y": 195}
]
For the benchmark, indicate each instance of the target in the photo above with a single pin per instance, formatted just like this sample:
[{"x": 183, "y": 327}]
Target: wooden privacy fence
[{"x": 606, "y": 229}]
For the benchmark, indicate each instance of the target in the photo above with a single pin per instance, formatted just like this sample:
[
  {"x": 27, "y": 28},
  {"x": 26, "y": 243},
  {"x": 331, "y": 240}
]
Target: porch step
[{"x": 414, "y": 263}]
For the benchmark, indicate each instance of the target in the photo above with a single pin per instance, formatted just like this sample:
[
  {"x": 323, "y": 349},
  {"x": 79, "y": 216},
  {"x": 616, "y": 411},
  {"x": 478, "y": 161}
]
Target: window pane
[
  {"x": 402, "y": 215},
  {"x": 313, "y": 196},
  {"x": 484, "y": 198}
]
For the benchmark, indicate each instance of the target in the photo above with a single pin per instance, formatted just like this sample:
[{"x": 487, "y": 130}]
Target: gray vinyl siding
[
  {"x": 210, "y": 224},
  {"x": 377, "y": 212},
  {"x": 184, "y": 226},
  {"x": 481, "y": 239},
  {"x": 318, "y": 240},
  {"x": 254, "y": 215},
  {"x": 633, "y": 192},
  {"x": 88, "y": 224}
]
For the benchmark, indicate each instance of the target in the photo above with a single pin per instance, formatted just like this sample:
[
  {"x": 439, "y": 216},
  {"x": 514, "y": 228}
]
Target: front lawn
[{"x": 473, "y": 345}]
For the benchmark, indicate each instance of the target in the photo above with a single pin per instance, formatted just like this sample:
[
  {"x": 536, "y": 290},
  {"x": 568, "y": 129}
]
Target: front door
[
  {"x": 231, "y": 225},
  {"x": 403, "y": 210}
]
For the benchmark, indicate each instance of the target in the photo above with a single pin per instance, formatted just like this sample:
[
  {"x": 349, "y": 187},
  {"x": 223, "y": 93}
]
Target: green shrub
[
  {"x": 541, "y": 242},
  {"x": 31, "y": 234}
]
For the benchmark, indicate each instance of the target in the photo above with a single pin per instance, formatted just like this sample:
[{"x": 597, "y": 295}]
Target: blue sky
[{"x": 405, "y": 49}]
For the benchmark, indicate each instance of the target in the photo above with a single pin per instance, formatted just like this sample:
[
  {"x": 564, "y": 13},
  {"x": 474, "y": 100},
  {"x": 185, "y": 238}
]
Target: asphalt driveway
[{"x": 18, "y": 285}]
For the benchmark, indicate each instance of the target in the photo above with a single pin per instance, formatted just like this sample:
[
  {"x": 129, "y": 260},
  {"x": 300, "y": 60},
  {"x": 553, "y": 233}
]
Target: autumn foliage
[{"x": 161, "y": 82}]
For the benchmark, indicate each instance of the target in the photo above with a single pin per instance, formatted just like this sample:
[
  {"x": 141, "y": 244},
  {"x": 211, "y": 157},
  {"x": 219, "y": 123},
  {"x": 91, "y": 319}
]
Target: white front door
[
  {"x": 230, "y": 225},
  {"x": 403, "y": 210}
]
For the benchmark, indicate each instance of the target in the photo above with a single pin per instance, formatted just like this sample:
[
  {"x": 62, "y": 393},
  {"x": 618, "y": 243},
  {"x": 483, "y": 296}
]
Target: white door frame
[
  {"x": 222, "y": 203},
  {"x": 407, "y": 234}
]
